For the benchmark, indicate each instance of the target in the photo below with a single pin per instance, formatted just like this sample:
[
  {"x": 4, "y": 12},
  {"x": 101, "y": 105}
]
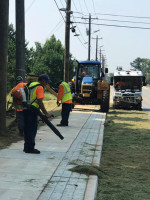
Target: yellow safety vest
[
  {"x": 67, "y": 92},
  {"x": 32, "y": 91}
]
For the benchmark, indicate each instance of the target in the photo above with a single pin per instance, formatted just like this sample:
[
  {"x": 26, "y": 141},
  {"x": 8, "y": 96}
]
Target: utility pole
[
  {"x": 97, "y": 38},
  {"x": 4, "y": 7},
  {"x": 89, "y": 34},
  {"x": 100, "y": 54},
  {"x": 103, "y": 63},
  {"x": 20, "y": 39},
  {"x": 67, "y": 41},
  {"x": 96, "y": 47},
  {"x": 89, "y": 43}
]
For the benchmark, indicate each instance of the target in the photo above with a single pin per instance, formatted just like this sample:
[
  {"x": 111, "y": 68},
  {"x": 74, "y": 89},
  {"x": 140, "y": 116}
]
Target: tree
[
  {"x": 49, "y": 59},
  {"x": 11, "y": 57},
  {"x": 4, "y": 6},
  {"x": 11, "y": 70},
  {"x": 142, "y": 64}
]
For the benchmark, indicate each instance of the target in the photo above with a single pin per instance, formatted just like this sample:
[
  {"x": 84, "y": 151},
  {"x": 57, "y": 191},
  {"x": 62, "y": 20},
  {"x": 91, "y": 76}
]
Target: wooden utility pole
[
  {"x": 97, "y": 38},
  {"x": 67, "y": 41},
  {"x": 20, "y": 39},
  {"x": 89, "y": 43},
  {"x": 89, "y": 34},
  {"x": 4, "y": 7},
  {"x": 103, "y": 63}
]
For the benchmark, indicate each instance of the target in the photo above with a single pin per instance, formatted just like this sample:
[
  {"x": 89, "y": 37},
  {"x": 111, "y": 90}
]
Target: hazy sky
[{"x": 120, "y": 45}]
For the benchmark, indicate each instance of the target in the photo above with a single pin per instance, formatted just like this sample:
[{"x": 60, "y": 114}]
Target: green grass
[
  {"x": 126, "y": 157},
  {"x": 124, "y": 173}
]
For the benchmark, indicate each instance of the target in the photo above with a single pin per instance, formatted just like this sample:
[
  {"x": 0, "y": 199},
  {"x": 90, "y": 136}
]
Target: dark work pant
[
  {"x": 66, "y": 108},
  {"x": 20, "y": 120},
  {"x": 30, "y": 129}
]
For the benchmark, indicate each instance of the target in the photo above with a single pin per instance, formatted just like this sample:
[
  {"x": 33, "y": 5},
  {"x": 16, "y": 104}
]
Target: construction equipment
[
  {"x": 90, "y": 86},
  {"x": 127, "y": 88}
]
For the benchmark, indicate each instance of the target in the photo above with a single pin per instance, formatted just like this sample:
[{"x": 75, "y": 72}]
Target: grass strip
[{"x": 125, "y": 157}]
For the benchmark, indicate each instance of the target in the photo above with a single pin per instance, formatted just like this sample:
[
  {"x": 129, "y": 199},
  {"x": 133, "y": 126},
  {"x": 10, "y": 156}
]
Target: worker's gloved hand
[
  {"x": 58, "y": 104},
  {"x": 48, "y": 115}
]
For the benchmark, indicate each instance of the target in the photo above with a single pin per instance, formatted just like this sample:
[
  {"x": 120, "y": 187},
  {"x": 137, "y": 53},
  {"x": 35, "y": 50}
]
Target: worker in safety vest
[
  {"x": 65, "y": 96},
  {"x": 36, "y": 90},
  {"x": 19, "y": 108}
]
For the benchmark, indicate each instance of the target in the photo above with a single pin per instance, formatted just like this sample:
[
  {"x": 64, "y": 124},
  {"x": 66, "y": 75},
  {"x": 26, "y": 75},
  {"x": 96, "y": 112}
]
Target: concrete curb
[{"x": 91, "y": 188}]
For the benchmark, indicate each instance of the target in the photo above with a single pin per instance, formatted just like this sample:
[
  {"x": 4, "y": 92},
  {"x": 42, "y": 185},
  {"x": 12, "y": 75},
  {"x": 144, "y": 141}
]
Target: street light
[{"x": 65, "y": 10}]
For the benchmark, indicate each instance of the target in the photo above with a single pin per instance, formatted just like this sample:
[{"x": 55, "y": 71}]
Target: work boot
[
  {"x": 61, "y": 125},
  {"x": 35, "y": 151}
]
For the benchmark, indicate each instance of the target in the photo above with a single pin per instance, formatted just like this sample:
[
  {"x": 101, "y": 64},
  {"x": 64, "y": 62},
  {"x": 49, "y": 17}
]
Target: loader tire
[{"x": 105, "y": 101}]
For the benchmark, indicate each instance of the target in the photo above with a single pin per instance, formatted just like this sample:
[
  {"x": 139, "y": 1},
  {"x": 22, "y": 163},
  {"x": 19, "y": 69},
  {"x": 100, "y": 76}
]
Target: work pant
[
  {"x": 66, "y": 108},
  {"x": 20, "y": 120},
  {"x": 30, "y": 129}
]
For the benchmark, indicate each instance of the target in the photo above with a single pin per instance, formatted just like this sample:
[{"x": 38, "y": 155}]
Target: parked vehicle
[
  {"x": 127, "y": 89},
  {"x": 89, "y": 85}
]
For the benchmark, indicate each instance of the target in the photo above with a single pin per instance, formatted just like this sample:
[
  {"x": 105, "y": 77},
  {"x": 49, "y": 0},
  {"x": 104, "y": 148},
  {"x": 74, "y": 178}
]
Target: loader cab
[{"x": 87, "y": 71}]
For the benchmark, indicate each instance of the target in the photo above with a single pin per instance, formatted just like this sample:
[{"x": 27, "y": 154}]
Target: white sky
[{"x": 121, "y": 45}]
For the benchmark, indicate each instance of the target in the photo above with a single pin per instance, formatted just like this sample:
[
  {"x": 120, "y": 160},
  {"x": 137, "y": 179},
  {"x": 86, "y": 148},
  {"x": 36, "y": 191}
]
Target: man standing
[
  {"x": 36, "y": 90},
  {"x": 65, "y": 96}
]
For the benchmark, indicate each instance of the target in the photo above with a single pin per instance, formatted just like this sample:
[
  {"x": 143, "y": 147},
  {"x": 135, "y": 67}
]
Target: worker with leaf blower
[
  {"x": 65, "y": 96},
  {"x": 36, "y": 91}
]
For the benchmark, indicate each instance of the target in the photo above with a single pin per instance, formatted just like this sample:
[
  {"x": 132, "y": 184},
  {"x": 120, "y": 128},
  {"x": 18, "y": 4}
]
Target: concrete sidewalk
[{"x": 46, "y": 176}]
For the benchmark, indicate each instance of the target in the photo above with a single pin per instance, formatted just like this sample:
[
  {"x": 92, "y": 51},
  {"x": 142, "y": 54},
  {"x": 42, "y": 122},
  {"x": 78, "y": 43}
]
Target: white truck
[{"x": 127, "y": 88}]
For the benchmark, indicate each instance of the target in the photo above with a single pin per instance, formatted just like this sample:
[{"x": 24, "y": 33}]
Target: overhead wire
[
  {"x": 61, "y": 3},
  {"x": 60, "y": 23},
  {"x": 115, "y": 20},
  {"x": 130, "y": 16},
  {"x": 116, "y": 25},
  {"x": 86, "y": 6},
  {"x": 78, "y": 27},
  {"x": 114, "y": 15},
  {"x": 93, "y": 6},
  {"x": 59, "y": 10},
  {"x": 134, "y": 22},
  {"x": 28, "y": 8}
]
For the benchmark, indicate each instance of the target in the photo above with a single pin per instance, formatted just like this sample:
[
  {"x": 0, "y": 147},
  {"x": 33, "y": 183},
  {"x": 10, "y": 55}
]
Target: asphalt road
[{"x": 146, "y": 99}]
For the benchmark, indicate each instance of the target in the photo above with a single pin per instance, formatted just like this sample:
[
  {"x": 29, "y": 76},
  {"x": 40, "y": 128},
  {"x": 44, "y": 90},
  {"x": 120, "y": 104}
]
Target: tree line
[
  {"x": 47, "y": 58},
  {"x": 142, "y": 64}
]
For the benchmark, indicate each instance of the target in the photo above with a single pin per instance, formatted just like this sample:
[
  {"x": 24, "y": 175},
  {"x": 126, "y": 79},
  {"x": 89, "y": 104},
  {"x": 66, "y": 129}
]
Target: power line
[
  {"x": 124, "y": 21},
  {"x": 144, "y": 17},
  {"x": 61, "y": 3},
  {"x": 119, "y": 21},
  {"x": 131, "y": 16},
  {"x": 114, "y": 25},
  {"x": 93, "y": 6},
  {"x": 86, "y": 6},
  {"x": 30, "y": 6},
  {"x": 80, "y": 5},
  {"x": 56, "y": 27},
  {"x": 77, "y": 26},
  {"x": 59, "y": 10}
]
